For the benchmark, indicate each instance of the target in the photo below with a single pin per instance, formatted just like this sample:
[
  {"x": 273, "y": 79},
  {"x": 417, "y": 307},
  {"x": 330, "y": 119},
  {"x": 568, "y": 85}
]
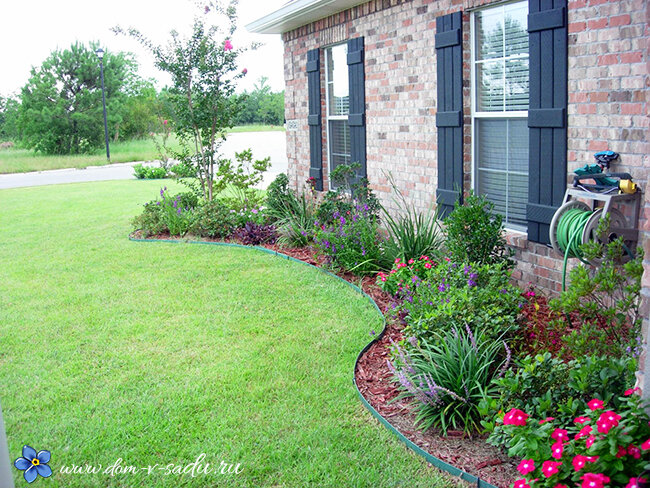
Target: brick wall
[{"x": 608, "y": 102}]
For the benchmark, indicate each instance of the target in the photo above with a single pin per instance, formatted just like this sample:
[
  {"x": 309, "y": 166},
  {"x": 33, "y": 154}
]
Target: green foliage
[
  {"x": 177, "y": 218},
  {"x": 61, "y": 104},
  {"x": 296, "y": 217},
  {"x": 279, "y": 196},
  {"x": 204, "y": 74},
  {"x": 604, "y": 444},
  {"x": 605, "y": 298},
  {"x": 150, "y": 222},
  {"x": 261, "y": 106},
  {"x": 412, "y": 234},
  {"x": 474, "y": 233},
  {"x": 142, "y": 112},
  {"x": 149, "y": 172},
  {"x": 448, "y": 377},
  {"x": 447, "y": 295},
  {"x": 9, "y": 111},
  {"x": 352, "y": 241},
  {"x": 213, "y": 219},
  {"x": 545, "y": 386}
]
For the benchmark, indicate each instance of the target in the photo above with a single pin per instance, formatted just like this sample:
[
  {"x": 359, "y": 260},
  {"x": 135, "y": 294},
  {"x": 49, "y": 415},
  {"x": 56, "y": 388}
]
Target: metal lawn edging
[{"x": 431, "y": 459}]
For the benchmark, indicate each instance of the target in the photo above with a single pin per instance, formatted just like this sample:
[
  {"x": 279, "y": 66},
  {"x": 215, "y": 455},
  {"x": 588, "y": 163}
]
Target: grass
[
  {"x": 156, "y": 353},
  {"x": 25, "y": 160}
]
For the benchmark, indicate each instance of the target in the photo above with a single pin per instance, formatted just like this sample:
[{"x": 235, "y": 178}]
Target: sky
[{"x": 31, "y": 30}]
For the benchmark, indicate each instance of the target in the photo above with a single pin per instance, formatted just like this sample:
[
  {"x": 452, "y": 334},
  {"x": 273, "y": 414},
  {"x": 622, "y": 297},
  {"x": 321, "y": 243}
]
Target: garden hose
[{"x": 570, "y": 230}]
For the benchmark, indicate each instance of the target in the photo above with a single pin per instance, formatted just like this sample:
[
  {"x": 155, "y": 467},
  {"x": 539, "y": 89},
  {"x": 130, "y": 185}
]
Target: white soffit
[{"x": 298, "y": 13}]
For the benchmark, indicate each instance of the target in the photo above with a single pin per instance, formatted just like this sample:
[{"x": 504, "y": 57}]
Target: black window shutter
[
  {"x": 314, "y": 118},
  {"x": 547, "y": 37},
  {"x": 357, "y": 115},
  {"x": 449, "y": 119}
]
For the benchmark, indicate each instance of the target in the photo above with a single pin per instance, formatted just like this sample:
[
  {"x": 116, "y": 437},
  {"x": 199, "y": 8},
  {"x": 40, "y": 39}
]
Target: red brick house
[{"x": 507, "y": 98}]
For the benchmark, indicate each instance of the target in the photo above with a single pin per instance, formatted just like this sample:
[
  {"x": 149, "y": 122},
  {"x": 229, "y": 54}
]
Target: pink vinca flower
[
  {"x": 547, "y": 419},
  {"x": 595, "y": 404},
  {"x": 515, "y": 417},
  {"x": 227, "y": 45},
  {"x": 590, "y": 441},
  {"x": 622, "y": 452},
  {"x": 557, "y": 449},
  {"x": 646, "y": 445},
  {"x": 549, "y": 468},
  {"x": 579, "y": 462},
  {"x": 560, "y": 435},
  {"x": 594, "y": 480},
  {"x": 584, "y": 432},
  {"x": 526, "y": 466},
  {"x": 631, "y": 391},
  {"x": 581, "y": 420},
  {"x": 521, "y": 484},
  {"x": 634, "y": 482},
  {"x": 634, "y": 451}
]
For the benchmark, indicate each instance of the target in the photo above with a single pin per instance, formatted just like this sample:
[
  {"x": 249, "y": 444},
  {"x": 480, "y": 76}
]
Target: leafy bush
[
  {"x": 548, "y": 387},
  {"x": 352, "y": 242},
  {"x": 253, "y": 234},
  {"x": 605, "y": 300},
  {"x": 296, "y": 220},
  {"x": 183, "y": 170},
  {"x": 474, "y": 233},
  {"x": 213, "y": 219},
  {"x": 446, "y": 295},
  {"x": 177, "y": 218},
  {"x": 412, "y": 234},
  {"x": 149, "y": 172},
  {"x": 279, "y": 196},
  {"x": 600, "y": 447},
  {"x": 448, "y": 377},
  {"x": 150, "y": 222}
]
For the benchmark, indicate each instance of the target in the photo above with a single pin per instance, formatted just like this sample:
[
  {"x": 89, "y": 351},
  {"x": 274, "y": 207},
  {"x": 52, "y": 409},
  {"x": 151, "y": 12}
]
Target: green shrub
[
  {"x": 213, "y": 219},
  {"x": 352, "y": 241},
  {"x": 149, "y": 172},
  {"x": 183, "y": 170},
  {"x": 150, "y": 222},
  {"x": 297, "y": 217},
  {"x": 545, "y": 387},
  {"x": 448, "y": 377},
  {"x": 474, "y": 233},
  {"x": 279, "y": 196},
  {"x": 177, "y": 218}
]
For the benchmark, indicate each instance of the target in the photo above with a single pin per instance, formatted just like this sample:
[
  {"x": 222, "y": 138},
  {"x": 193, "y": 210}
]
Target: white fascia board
[{"x": 298, "y": 13}]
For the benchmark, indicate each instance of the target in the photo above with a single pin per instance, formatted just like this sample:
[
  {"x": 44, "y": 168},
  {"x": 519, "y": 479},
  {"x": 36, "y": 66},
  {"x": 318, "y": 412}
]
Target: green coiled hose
[{"x": 570, "y": 229}]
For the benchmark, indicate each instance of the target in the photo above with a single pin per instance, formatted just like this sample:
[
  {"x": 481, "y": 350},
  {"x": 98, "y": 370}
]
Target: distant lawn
[
  {"x": 156, "y": 353},
  {"x": 25, "y": 160}
]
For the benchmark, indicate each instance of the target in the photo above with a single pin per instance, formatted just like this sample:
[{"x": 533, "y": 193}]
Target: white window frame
[
  {"x": 329, "y": 117},
  {"x": 476, "y": 114}
]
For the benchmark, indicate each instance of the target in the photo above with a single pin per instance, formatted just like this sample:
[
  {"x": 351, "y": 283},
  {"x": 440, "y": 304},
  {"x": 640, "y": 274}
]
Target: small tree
[{"x": 204, "y": 73}]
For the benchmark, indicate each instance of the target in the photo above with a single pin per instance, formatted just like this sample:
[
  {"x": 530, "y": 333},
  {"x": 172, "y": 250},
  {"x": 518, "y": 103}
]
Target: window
[
  {"x": 500, "y": 109},
  {"x": 338, "y": 105}
]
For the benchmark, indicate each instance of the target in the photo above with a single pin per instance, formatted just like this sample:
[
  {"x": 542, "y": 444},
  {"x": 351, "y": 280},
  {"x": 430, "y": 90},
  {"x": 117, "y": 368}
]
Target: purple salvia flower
[
  {"x": 506, "y": 364},
  {"x": 471, "y": 283},
  {"x": 471, "y": 337},
  {"x": 413, "y": 341},
  {"x": 467, "y": 269}
]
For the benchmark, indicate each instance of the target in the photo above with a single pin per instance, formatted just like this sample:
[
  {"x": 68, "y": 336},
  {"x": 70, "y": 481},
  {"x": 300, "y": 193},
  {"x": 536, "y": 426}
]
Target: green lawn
[
  {"x": 24, "y": 160},
  {"x": 156, "y": 353}
]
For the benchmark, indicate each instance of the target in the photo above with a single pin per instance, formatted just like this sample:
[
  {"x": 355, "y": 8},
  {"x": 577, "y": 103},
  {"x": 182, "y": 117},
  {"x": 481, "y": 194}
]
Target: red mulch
[{"x": 472, "y": 455}]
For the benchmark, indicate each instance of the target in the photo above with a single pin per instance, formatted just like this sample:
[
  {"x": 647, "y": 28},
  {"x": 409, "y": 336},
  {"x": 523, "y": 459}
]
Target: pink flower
[
  {"x": 521, "y": 484},
  {"x": 547, "y": 419},
  {"x": 244, "y": 71},
  {"x": 411, "y": 261},
  {"x": 526, "y": 466},
  {"x": 579, "y": 462},
  {"x": 634, "y": 482},
  {"x": 631, "y": 391},
  {"x": 634, "y": 451},
  {"x": 227, "y": 45},
  {"x": 427, "y": 265},
  {"x": 584, "y": 432},
  {"x": 549, "y": 468},
  {"x": 424, "y": 258},
  {"x": 590, "y": 441},
  {"x": 622, "y": 452},
  {"x": 515, "y": 417},
  {"x": 165, "y": 122},
  {"x": 397, "y": 260},
  {"x": 592, "y": 459},
  {"x": 560, "y": 435},
  {"x": 594, "y": 480},
  {"x": 559, "y": 485},
  {"x": 646, "y": 445},
  {"x": 557, "y": 449},
  {"x": 595, "y": 404},
  {"x": 581, "y": 420}
]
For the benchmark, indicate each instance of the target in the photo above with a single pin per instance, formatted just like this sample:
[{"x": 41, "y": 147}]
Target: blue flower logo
[{"x": 34, "y": 464}]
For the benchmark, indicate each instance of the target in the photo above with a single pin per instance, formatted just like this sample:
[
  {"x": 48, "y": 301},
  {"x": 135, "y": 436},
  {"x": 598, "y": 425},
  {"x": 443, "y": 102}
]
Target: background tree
[
  {"x": 9, "y": 107},
  {"x": 261, "y": 106},
  {"x": 61, "y": 104}
]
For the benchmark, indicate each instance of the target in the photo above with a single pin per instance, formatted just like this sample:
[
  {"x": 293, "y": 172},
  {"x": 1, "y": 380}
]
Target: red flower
[
  {"x": 594, "y": 480},
  {"x": 622, "y": 452},
  {"x": 584, "y": 432},
  {"x": 227, "y": 45},
  {"x": 515, "y": 417},
  {"x": 557, "y": 449},
  {"x": 560, "y": 435},
  {"x": 521, "y": 484},
  {"x": 634, "y": 451},
  {"x": 559, "y": 485},
  {"x": 579, "y": 462},
  {"x": 634, "y": 482},
  {"x": 582, "y": 420},
  {"x": 549, "y": 468},
  {"x": 646, "y": 445},
  {"x": 590, "y": 441},
  {"x": 526, "y": 466},
  {"x": 595, "y": 404},
  {"x": 631, "y": 391},
  {"x": 547, "y": 419},
  {"x": 427, "y": 265}
]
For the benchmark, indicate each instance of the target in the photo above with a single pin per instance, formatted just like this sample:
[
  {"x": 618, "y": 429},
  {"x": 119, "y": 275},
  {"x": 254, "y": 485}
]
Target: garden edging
[{"x": 440, "y": 464}]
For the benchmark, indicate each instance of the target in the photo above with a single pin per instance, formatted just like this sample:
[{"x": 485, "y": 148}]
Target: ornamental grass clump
[
  {"x": 601, "y": 447},
  {"x": 448, "y": 377}
]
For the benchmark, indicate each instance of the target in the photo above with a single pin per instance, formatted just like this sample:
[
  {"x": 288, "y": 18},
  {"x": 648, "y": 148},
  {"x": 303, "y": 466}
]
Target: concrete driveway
[{"x": 273, "y": 144}]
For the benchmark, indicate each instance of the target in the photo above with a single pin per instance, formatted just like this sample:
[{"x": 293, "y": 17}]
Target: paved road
[{"x": 263, "y": 144}]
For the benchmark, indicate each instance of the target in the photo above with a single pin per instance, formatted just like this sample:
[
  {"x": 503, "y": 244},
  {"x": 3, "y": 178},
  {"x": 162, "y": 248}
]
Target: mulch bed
[{"x": 374, "y": 380}]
